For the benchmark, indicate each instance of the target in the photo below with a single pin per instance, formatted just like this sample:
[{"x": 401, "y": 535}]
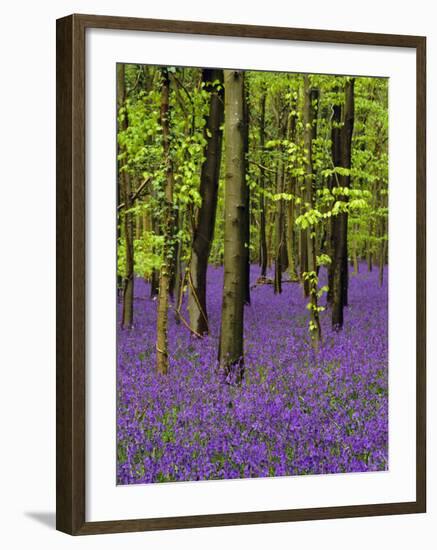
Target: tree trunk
[
  {"x": 231, "y": 333},
  {"x": 128, "y": 227},
  {"x": 119, "y": 223},
  {"x": 310, "y": 129},
  {"x": 138, "y": 221},
  {"x": 303, "y": 245},
  {"x": 355, "y": 263},
  {"x": 382, "y": 255},
  {"x": 180, "y": 272},
  {"x": 303, "y": 236},
  {"x": 292, "y": 184},
  {"x": 279, "y": 228},
  {"x": 154, "y": 280},
  {"x": 369, "y": 257},
  {"x": 209, "y": 181},
  {"x": 175, "y": 254},
  {"x": 168, "y": 233},
  {"x": 270, "y": 243},
  {"x": 262, "y": 200},
  {"x": 345, "y": 266},
  {"x": 281, "y": 256},
  {"x": 247, "y": 197},
  {"x": 336, "y": 161},
  {"x": 341, "y": 269}
]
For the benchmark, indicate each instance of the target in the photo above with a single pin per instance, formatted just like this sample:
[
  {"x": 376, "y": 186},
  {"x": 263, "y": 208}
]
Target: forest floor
[{"x": 297, "y": 411}]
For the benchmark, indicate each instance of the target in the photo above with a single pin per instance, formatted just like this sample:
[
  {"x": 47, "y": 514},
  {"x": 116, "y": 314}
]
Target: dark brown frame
[{"x": 70, "y": 276}]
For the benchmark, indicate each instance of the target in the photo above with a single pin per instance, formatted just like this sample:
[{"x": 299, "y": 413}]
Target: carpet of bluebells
[{"x": 297, "y": 411}]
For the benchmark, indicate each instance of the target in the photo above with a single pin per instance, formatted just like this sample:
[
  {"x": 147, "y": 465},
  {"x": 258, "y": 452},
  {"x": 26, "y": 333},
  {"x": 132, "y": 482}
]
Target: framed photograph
[{"x": 240, "y": 274}]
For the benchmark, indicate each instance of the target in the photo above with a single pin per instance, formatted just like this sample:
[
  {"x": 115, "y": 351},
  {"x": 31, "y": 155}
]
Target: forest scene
[{"x": 252, "y": 274}]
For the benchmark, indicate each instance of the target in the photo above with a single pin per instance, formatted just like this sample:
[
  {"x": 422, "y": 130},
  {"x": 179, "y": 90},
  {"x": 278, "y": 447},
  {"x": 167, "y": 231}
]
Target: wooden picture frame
[{"x": 71, "y": 253}]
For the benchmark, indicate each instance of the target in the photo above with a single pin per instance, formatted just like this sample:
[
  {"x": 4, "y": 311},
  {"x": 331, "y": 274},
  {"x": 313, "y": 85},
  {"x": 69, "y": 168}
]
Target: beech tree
[
  {"x": 205, "y": 223},
  {"x": 261, "y": 184},
  {"x": 247, "y": 201},
  {"x": 168, "y": 233},
  {"x": 340, "y": 268},
  {"x": 310, "y": 132},
  {"x": 281, "y": 260},
  {"x": 336, "y": 161},
  {"x": 126, "y": 194},
  {"x": 231, "y": 357},
  {"x": 292, "y": 191}
]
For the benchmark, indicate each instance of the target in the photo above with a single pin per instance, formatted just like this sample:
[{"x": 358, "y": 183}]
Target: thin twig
[
  {"x": 136, "y": 194},
  {"x": 261, "y": 166}
]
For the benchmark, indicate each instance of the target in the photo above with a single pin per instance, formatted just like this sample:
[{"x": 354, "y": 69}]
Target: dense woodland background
[{"x": 237, "y": 168}]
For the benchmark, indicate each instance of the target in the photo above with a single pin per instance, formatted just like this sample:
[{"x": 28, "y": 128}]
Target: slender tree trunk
[
  {"x": 291, "y": 237},
  {"x": 119, "y": 223},
  {"x": 309, "y": 123},
  {"x": 146, "y": 222},
  {"x": 340, "y": 279},
  {"x": 345, "y": 265},
  {"x": 381, "y": 265},
  {"x": 303, "y": 245},
  {"x": 281, "y": 257},
  {"x": 154, "y": 284},
  {"x": 382, "y": 255},
  {"x": 231, "y": 333},
  {"x": 126, "y": 193},
  {"x": 262, "y": 200},
  {"x": 180, "y": 272},
  {"x": 175, "y": 254},
  {"x": 270, "y": 242},
  {"x": 154, "y": 279},
  {"x": 303, "y": 237},
  {"x": 336, "y": 161},
  {"x": 369, "y": 257},
  {"x": 137, "y": 226},
  {"x": 247, "y": 196},
  {"x": 292, "y": 184},
  {"x": 279, "y": 215},
  {"x": 279, "y": 229},
  {"x": 168, "y": 232},
  {"x": 178, "y": 269},
  {"x": 209, "y": 181},
  {"x": 355, "y": 254}
]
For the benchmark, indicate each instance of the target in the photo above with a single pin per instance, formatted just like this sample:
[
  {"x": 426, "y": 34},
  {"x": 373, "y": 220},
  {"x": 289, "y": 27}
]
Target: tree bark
[
  {"x": 369, "y": 251},
  {"x": 209, "y": 181},
  {"x": 355, "y": 263},
  {"x": 127, "y": 318},
  {"x": 303, "y": 264},
  {"x": 180, "y": 269},
  {"x": 231, "y": 333},
  {"x": 154, "y": 279},
  {"x": 247, "y": 197},
  {"x": 382, "y": 262},
  {"x": 279, "y": 229},
  {"x": 262, "y": 200},
  {"x": 281, "y": 260},
  {"x": 336, "y": 161},
  {"x": 292, "y": 184},
  {"x": 341, "y": 269},
  {"x": 303, "y": 235},
  {"x": 168, "y": 232},
  {"x": 270, "y": 219},
  {"x": 310, "y": 133},
  {"x": 383, "y": 251}
]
